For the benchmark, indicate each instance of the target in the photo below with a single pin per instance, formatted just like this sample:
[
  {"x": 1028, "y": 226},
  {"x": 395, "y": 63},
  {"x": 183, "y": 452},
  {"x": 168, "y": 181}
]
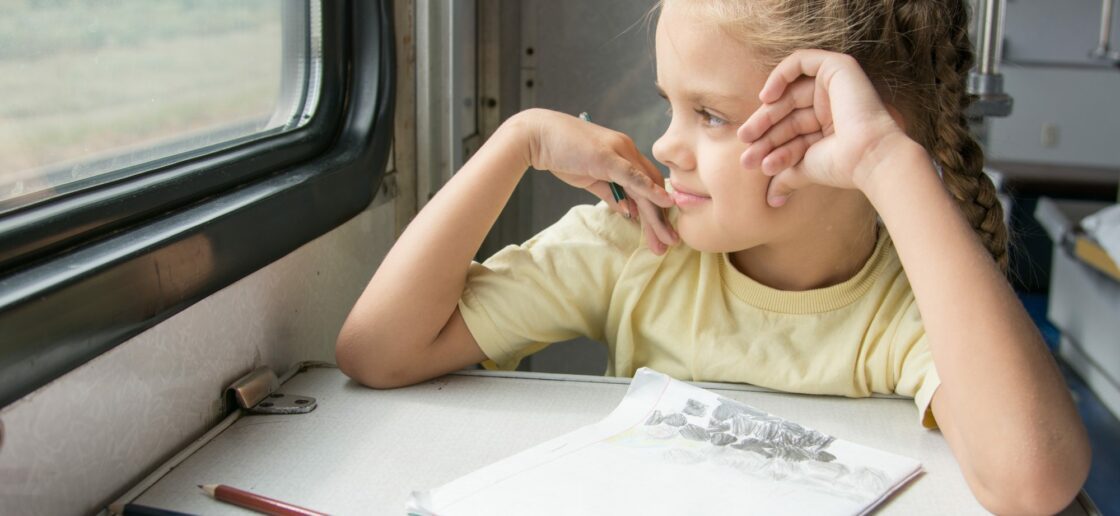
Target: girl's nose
[{"x": 672, "y": 150}]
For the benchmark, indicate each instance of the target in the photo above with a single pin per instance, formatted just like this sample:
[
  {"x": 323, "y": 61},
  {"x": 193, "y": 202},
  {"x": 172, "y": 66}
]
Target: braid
[
  {"x": 931, "y": 37},
  {"x": 961, "y": 158}
]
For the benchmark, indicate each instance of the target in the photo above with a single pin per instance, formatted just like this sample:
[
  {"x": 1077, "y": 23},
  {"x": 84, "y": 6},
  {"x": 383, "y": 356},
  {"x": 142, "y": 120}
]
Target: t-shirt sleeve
[
  {"x": 556, "y": 286},
  {"x": 914, "y": 367}
]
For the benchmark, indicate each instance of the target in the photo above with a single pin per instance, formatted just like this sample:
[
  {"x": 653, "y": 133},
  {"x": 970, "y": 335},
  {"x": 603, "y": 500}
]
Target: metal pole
[
  {"x": 1102, "y": 50},
  {"x": 985, "y": 82},
  {"x": 991, "y": 36}
]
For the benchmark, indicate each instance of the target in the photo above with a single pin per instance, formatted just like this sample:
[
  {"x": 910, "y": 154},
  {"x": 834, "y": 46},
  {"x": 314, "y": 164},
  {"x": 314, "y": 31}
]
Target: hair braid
[{"x": 959, "y": 155}]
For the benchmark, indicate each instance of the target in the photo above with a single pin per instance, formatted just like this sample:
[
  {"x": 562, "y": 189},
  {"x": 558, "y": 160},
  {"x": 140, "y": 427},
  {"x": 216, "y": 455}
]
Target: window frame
[{"x": 85, "y": 271}]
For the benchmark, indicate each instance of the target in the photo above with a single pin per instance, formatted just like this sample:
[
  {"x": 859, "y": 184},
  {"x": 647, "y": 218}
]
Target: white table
[{"x": 362, "y": 451}]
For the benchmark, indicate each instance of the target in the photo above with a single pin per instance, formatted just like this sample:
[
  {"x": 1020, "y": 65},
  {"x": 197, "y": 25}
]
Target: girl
[{"x": 815, "y": 247}]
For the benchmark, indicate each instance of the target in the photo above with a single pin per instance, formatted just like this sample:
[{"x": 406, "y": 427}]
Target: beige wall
[{"x": 74, "y": 445}]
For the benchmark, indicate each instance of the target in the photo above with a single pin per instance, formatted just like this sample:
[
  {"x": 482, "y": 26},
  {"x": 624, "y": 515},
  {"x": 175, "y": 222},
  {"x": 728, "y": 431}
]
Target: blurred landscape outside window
[{"x": 95, "y": 90}]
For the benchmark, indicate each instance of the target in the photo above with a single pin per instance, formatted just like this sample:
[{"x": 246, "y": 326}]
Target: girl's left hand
[{"x": 821, "y": 121}]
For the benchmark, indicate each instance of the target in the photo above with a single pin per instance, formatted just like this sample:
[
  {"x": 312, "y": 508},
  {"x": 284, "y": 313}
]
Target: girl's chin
[
  {"x": 701, "y": 236},
  {"x": 697, "y": 236}
]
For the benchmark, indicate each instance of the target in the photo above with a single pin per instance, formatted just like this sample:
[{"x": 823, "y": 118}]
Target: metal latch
[{"x": 256, "y": 393}]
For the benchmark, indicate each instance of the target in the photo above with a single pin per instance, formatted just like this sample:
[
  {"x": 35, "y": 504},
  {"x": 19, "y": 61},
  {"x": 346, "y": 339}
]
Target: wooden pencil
[{"x": 256, "y": 502}]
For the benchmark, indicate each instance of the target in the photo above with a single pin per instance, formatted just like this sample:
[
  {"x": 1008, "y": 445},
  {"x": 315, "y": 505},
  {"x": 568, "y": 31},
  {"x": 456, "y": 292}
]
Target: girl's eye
[{"x": 709, "y": 119}]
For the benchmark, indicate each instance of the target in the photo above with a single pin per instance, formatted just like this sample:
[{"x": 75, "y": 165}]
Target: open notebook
[{"x": 673, "y": 448}]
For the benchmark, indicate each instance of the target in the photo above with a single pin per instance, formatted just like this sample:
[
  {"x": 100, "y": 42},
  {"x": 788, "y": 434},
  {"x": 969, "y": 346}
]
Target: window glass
[{"x": 95, "y": 90}]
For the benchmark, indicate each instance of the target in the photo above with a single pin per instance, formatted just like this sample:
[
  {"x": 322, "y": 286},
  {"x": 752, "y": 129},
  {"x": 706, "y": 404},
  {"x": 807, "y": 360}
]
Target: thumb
[{"x": 784, "y": 184}]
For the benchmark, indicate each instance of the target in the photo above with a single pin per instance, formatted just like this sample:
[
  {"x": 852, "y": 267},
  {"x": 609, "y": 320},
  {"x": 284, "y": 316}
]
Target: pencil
[
  {"x": 256, "y": 502},
  {"x": 616, "y": 191}
]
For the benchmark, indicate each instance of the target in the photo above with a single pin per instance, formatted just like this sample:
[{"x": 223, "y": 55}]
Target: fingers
[
  {"x": 782, "y": 164},
  {"x": 801, "y": 122},
  {"x": 640, "y": 182},
  {"x": 620, "y": 162},
  {"x": 788, "y": 154},
  {"x": 649, "y": 197},
  {"x": 809, "y": 96},
  {"x": 798, "y": 64},
  {"x": 659, "y": 235},
  {"x": 663, "y": 234},
  {"x": 783, "y": 185},
  {"x": 602, "y": 190},
  {"x": 632, "y": 209},
  {"x": 652, "y": 170},
  {"x": 799, "y": 96},
  {"x": 824, "y": 68},
  {"x": 654, "y": 244}
]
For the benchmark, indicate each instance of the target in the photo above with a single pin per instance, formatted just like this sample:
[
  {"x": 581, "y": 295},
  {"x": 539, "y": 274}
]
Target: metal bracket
[
  {"x": 388, "y": 190},
  {"x": 256, "y": 393},
  {"x": 990, "y": 97}
]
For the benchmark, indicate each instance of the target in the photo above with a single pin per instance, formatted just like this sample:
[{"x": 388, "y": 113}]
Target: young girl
[{"x": 802, "y": 183}]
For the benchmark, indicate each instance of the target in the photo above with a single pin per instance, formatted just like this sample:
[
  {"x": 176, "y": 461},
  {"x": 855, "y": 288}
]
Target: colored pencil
[
  {"x": 616, "y": 191},
  {"x": 256, "y": 502}
]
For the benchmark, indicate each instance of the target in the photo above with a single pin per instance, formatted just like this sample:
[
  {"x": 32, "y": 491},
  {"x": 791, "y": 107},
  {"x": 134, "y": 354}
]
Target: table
[{"x": 362, "y": 450}]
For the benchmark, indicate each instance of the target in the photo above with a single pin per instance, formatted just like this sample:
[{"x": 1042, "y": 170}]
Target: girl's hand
[
  {"x": 821, "y": 121},
  {"x": 589, "y": 156}
]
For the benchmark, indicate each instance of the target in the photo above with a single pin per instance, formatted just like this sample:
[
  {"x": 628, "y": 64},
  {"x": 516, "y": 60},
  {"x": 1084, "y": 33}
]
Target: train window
[
  {"x": 99, "y": 91},
  {"x": 153, "y": 153}
]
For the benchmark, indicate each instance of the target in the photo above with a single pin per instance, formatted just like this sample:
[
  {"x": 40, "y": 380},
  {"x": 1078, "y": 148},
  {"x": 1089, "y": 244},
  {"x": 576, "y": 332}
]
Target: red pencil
[{"x": 256, "y": 502}]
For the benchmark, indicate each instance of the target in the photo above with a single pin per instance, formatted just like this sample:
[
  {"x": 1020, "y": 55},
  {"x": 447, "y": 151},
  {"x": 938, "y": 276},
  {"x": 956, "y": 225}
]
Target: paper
[
  {"x": 1104, "y": 227},
  {"x": 673, "y": 448}
]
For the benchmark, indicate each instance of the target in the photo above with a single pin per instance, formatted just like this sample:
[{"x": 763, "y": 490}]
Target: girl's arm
[
  {"x": 1002, "y": 404},
  {"x": 406, "y": 326}
]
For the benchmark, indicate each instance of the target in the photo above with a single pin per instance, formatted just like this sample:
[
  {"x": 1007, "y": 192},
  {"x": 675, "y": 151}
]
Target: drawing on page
[{"x": 737, "y": 436}]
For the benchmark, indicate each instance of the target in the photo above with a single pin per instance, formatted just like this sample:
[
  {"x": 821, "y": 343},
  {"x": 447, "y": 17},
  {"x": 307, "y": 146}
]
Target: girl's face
[{"x": 711, "y": 83}]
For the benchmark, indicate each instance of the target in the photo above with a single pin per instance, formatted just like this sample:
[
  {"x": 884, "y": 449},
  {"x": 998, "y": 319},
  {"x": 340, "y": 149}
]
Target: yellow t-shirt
[{"x": 694, "y": 316}]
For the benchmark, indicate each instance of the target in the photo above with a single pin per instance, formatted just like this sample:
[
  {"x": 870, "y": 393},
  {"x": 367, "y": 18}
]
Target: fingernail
[{"x": 778, "y": 200}]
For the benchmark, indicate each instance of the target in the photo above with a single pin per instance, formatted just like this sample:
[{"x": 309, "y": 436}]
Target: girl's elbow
[
  {"x": 347, "y": 356},
  {"x": 1048, "y": 499},
  {"x": 355, "y": 359},
  {"x": 1037, "y": 489},
  {"x": 363, "y": 362}
]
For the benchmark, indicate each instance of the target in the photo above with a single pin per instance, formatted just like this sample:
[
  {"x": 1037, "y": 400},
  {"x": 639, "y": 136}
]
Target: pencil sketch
[
  {"x": 695, "y": 408},
  {"x": 673, "y": 448},
  {"x": 748, "y": 440}
]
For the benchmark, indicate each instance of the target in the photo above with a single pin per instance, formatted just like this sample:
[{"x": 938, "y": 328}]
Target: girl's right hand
[
  {"x": 589, "y": 156},
  {"x": 822, "y": 121}
]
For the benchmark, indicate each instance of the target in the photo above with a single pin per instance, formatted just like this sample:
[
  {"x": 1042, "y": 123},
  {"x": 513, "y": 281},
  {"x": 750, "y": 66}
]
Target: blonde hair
[{"x": 917, "y": 53}]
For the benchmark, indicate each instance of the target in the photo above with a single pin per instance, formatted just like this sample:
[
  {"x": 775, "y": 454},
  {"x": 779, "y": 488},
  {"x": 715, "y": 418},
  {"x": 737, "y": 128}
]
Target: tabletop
[{"x": 362, "y": 450}]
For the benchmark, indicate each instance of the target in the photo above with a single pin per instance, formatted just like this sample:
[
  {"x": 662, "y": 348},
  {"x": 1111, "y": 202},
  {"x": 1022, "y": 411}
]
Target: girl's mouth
[{"x": 685, "y": 198}]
